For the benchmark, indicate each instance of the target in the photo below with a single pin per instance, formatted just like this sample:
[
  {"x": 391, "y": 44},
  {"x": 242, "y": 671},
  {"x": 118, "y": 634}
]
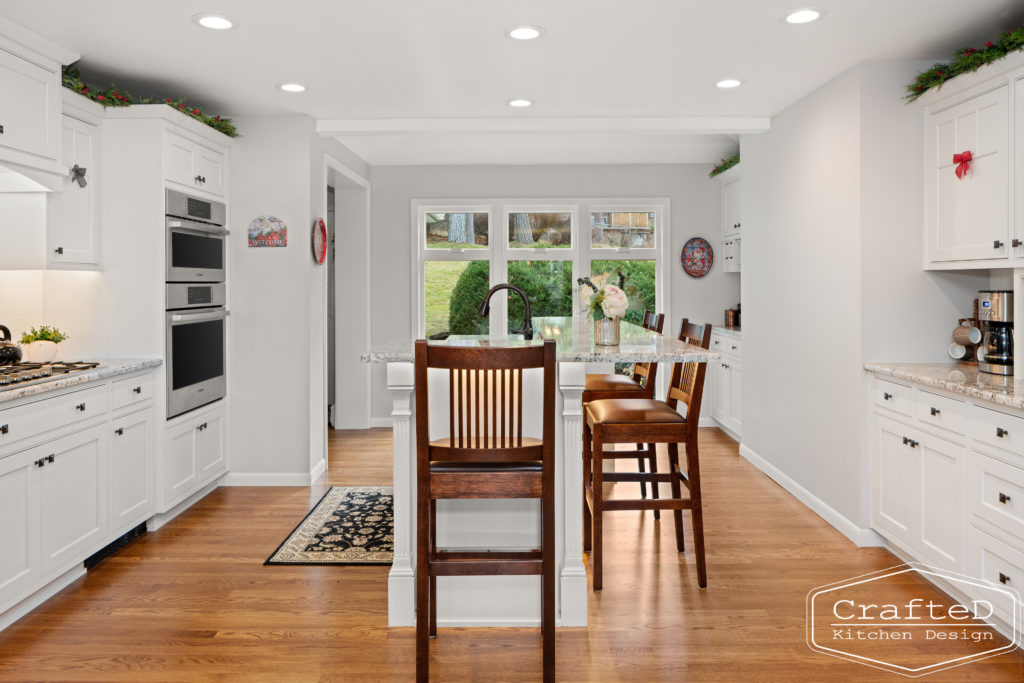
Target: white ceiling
[{"x": 421, "y": 60}]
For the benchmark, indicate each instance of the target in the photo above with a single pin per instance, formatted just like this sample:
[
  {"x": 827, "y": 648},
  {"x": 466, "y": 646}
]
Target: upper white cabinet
[
  {"x": 968, "y": 215},
  {"x": 731, "y": 259},
  {"x": 193, "y": 166},
  {"x": 74, "y": 212},
  {"x": 975, "y": 219},
  {"x": 732, "y": 223},
  {"x": 29, "y": 108}
]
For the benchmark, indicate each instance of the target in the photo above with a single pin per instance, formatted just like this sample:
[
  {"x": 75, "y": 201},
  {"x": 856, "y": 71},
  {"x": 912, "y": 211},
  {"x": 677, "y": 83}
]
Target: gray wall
[{"x": 695, "y": 211}]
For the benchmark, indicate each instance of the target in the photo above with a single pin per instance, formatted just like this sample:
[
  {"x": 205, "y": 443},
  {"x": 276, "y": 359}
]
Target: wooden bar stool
[
  {"x": 640, "y": 385},
  {"x": 644, "y": 420},
  {"x": 485, "y": 456}
]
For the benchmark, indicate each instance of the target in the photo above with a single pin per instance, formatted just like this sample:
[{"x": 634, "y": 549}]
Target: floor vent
[{"x": 115, "y": 545}]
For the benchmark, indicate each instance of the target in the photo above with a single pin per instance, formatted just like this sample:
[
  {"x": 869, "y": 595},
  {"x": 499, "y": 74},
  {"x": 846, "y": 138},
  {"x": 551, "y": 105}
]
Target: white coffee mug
[
  {"x": 957, "y": 351},
  {"x": 967, "y": 334}
]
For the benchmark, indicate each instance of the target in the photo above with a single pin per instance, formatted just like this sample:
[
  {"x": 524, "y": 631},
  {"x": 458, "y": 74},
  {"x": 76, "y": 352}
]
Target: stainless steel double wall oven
[{"x": 196, "y": 298}]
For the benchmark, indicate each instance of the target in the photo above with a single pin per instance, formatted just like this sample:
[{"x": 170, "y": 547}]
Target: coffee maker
[{"x": 995, "y": 311}]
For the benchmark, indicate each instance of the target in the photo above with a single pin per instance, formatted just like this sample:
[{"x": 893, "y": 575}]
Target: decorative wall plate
[
  {"x": 697, "y": 257},
  {"x": 319, "y": 241}
]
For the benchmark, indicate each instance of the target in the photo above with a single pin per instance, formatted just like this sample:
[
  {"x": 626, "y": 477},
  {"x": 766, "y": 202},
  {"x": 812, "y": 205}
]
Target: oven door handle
[
  {"x": 185, "y": 224},
  {"x": 198, "y": 317}
]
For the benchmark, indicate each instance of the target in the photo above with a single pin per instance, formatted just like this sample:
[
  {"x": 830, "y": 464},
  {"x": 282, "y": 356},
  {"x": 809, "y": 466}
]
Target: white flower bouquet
[{"x": 601, "y": 299}]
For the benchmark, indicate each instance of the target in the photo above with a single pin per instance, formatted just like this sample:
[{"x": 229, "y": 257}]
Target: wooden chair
[
  {"x": 644, "y": 420},
  {"x": 485, "y": 456},
  {"x": 640, "y": 385}
]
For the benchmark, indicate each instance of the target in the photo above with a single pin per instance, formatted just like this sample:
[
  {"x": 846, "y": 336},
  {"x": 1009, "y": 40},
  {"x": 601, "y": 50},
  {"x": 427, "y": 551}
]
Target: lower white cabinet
[
  {"x": 19, "y": 500},
  {"x": 72, "y": 481},
  {"x": 132, "y": 480},
  {"x": 731, "y": 259},
  {"x": 724, "y": 384},
  {"x": 194, "y": 454}
]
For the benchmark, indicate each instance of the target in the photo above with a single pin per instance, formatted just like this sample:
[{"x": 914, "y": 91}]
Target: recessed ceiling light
[
  {"x": 218, "y": 22},
  {"x": 803, "y": 16},
  {"x": 524, "y": 33},
  {"x": 291, "y": 87},
  {"x": 728, "y": 83},
  {"x": 520, "y": 103}
]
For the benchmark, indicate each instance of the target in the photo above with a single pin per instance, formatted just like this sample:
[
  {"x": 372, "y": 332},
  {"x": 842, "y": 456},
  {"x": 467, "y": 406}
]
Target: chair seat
[
  {"x": 632, "y": 411},
  {"x": 611, "y": 383}
]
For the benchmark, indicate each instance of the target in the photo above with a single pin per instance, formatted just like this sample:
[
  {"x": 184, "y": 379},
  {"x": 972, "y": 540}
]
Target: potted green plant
[{"x": 41, "y": 344}]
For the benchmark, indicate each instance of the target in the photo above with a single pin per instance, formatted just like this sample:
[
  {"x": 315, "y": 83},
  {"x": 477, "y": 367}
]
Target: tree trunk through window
[
  {"x": 460, "y": 228},
  {"x": 521, "y": 231}
]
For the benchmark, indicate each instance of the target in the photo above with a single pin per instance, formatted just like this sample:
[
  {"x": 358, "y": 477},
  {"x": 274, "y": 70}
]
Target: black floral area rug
[{"x": 350, "y": 525}]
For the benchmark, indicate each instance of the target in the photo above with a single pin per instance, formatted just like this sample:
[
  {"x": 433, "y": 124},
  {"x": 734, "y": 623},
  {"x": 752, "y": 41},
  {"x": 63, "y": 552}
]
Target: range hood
[{"x": 16, "y": 178}]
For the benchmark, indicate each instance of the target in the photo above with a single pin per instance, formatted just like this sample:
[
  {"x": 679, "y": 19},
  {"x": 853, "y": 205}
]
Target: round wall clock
[
  {"x": 319, "y": 241},
  {"x": 697, "y": 257}
]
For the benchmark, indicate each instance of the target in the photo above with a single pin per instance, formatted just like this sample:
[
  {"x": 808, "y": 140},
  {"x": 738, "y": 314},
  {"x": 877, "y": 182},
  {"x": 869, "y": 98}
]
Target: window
[{"x": 462, "y": 251}]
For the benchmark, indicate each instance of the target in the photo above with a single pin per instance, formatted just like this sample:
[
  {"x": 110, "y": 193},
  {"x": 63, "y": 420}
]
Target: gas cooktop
[{"x": 40, "y": 372}]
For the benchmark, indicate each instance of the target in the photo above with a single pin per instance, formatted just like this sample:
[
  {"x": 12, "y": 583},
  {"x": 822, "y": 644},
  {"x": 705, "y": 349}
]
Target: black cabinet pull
[
  {"x": 201, "y": 427},
  {"x": 935, "y": 411},
  {"x": 4, "y": 429},
  {"x": 50, "y": 458},
  {"x": 59, "y": 250},
  {"x": 996, "y": 244},
  {"x": 1003, "y": 498},
  {"x": 41, "y": 462},
  {"x": 80, "y": 407},
  {"x": 909, "y": 442},
  {"x": 137, "y": 390},
  {"x": 198, "y": 178},
  {"x": 1016, "y": 242},
  {"x": 733, "y": 348},
  {"x": 1000, "y": 432},
  {"x": 886, "y": 396},
  {"x": 119, "y": 431},
  {"x": 1004, "y": 579}
]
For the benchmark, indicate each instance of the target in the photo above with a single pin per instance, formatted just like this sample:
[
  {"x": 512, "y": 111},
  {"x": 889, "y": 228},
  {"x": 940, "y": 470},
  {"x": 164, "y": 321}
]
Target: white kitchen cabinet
[
  {"x": 194, "y": 454},
  {"x": 29, "y": 108},
  {"x": 731, "y": 258},
  {"x": 74, "y": 212},
  {"x": 73, "y": 514},
  {"x": 19, "y": 500},
  {"x": 732, "y": 223},
  {"x": 968, "y": 218},
  {"x": 132, "y": 481},
  {"x": 724, "y": 383},
  {"x": 193, "y": 166}
]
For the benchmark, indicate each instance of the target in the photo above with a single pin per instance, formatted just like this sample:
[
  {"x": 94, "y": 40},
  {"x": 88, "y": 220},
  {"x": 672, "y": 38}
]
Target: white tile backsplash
[
  {"x": 68, "y": 300},
  {"x": 21, "y": 300}
]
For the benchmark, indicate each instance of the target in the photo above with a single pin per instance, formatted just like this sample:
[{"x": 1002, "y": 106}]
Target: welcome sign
[{"x": 268, "y": 231}]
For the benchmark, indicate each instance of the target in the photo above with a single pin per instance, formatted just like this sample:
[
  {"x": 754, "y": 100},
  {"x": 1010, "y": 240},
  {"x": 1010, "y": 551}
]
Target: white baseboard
[
  {"x": 268, "y": 478},
  {"x": 707, "y": 421},
  {"x": 381, "y": 422},
  {"x": 41, "y": 595},
  {"x": 318, "y": 470},
  {"x": 864, "y": 538},
  {"x": 161, "y": 518}
]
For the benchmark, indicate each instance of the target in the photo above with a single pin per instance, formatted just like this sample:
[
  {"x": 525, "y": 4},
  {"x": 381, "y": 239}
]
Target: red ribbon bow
[{"x": 963, "y": 162}]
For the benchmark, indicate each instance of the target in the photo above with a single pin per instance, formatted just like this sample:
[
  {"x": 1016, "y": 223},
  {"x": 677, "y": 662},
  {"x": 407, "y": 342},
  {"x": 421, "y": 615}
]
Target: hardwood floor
[{"x": 193, "y": 600}]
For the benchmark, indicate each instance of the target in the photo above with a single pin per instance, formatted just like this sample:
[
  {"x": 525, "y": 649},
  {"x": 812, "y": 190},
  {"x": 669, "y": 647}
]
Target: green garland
[
  {"x": 112, "y": 97},
  {"x": 966, "y": 60},
  {"x": 726, "y": 164}
]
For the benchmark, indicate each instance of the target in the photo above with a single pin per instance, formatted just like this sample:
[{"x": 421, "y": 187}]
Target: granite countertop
[
  {"x": 574, "y": 343},
  {"x": 106, "y": 369},
  {"x": 958, "y": 378}
]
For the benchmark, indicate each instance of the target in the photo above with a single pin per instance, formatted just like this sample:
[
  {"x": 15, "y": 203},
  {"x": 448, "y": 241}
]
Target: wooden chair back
[
  {"x": 646, "y": 373},
  {"x": 485, "y": 403},
  {"x": 687, "y": 386}
]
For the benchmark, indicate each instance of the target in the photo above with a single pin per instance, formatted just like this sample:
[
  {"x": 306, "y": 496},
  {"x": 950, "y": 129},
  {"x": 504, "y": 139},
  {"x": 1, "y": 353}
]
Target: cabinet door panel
[
  {"x": 180, "y": 461},
  {"x": 74, "y": 212},
  {"x": 967, "y": 216},
  {"x": 722, "y": 392},
  {"x": 943, "y": 506},
  {"x": 19, "y": 561},
  {"x": 896, "y": 470},
  {"x": 179, "y": 160},
  {"x": 72, "y": 491},
  {"x": 210, "y": 446},
  {"x": 131, "y": 473},
  {"x": 736, "y": 407},
  {"x": 28, "y": 109},
  {"x": 210, "y": 165}
]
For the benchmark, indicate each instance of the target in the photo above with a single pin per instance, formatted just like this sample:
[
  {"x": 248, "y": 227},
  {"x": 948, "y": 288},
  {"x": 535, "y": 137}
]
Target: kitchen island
[{"x": 507, "y": 524}]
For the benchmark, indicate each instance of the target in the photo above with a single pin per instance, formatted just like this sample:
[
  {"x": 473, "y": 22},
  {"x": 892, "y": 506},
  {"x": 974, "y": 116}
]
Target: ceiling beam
[{"x": 683, "y": 125}]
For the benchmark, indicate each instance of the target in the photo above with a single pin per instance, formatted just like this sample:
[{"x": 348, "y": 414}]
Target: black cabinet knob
[
  {"x": 119, "y": 431},
  {"x": 1000, "y": 432},
  {"x": 1004, "y": 579},
  {"x": 1003, "y": 498},
  {"x": 59, "y": 250},
  {"x": 80, "y": 407},
  {"x": 1016, "y": 242},
  {"x": 137, "y": 390},
  {"x": 50, "y": 458},
  {"x": 887, "y": 396},
  {"x": 996, "y": 244},
  {"x": 1, "y": 129},
  {"x": 935, "y": 411},
  {"x": 4, "y": 429},
  {"x": 41, "y": 462}
]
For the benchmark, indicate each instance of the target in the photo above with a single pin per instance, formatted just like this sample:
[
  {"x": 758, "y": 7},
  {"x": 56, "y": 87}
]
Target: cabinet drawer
[
  {"x": 725, "y": 344},
  {"x": 51, "y": 413},
  {"x": 125, "y": 392},
  {"x": 947, "y": 413},
  {"x": 998, "y": 493},
  {"x": 997, "y": 429},
  {"x": 893, "y": 396},
  {"x": 994, "y": 561}
]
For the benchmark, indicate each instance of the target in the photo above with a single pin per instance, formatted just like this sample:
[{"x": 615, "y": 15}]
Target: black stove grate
[{"x": 27, "y": 372}]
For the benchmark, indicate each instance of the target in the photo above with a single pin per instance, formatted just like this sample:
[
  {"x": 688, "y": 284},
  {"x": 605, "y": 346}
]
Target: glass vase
[{"x": 606, "y": 331}]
